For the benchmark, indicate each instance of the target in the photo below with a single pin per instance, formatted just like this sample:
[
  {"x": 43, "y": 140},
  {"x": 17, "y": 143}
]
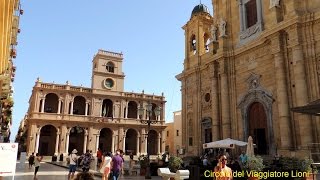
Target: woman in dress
[
  {"x": 105, "y": 165},
  {"x": 37, "y": 161}
]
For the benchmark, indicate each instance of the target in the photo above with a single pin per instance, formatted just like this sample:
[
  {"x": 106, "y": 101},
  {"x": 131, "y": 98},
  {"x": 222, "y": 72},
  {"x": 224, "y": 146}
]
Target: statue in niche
[
  {"x": 222, "y": 28},
  {"x": 214, "y": 33},
  {"x": 274, "y": 3}
]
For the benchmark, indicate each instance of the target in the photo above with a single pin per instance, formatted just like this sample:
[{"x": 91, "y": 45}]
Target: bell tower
[
  {"x": 197, "y": 35},
  {"x": 107, "y": 71}
]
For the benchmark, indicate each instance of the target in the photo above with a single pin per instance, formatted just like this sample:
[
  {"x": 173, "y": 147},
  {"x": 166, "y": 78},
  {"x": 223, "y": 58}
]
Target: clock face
[{"x": 108, "y": 83}]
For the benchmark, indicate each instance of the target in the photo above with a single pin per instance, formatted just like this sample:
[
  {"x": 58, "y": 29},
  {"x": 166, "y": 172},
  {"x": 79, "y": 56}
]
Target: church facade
[
  {"x": 245, "y": 67},
  {"x": 61, "y": 118}
]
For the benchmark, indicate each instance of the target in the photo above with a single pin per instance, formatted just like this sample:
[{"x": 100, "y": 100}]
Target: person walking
[
  {"x": 37, "y": 161},
  {"x": 116, "y": 165},
  {"x": 106, "y": 165},
  {"x": 86, "y": 160},
  {"x": 31, "y": 160},
  {"x": 99, "y": 157},
  {"x": 73, "y": 163}
]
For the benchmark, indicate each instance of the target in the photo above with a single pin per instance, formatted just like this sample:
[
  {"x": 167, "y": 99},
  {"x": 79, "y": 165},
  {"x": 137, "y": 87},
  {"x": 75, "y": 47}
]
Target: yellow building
[
  {"x": 65, "y": 117},
  {"x": 169, "y": 138},
  {"x": 245, "y": 67},
  {"x": 174, "y": 135},
  {"x": 10, "y": 12}
]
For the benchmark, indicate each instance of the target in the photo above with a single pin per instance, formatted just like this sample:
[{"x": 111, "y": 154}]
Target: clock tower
[{"x": 107, "y": 71}]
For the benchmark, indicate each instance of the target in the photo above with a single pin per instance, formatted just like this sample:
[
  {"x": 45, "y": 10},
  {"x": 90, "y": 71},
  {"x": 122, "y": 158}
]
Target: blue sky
[{"x": 59, "y": 38}]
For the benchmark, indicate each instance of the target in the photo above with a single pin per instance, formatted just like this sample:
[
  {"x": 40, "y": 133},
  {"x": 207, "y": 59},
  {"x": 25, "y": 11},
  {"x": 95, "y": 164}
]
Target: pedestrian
[
  {"x": 222, "y": 171},
  {"x": 73, "y": 163},
  {"x": 99, "y": 156},
  {"x": 105, "y": 166},
  {"x": 86, "y": 160},
  {"x": 243, "y": 158},
  {"x": 31, "y": 160},
  {"x": 37, "y": 161},
  {"x": 116, "y": 165}
]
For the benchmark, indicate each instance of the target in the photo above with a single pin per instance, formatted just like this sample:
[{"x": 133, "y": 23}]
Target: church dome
[{"x": 201, "y": 8}]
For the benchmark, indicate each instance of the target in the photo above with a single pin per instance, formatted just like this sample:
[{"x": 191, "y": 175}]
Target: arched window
[
  {"x": 110, "y": 67},
  {"x": 206, "y": 42},
  {"x": 193, "y": 45}
]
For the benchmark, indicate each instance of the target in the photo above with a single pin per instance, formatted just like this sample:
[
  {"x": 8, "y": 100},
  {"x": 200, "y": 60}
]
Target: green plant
[
  {"x": 289, "y": 163},
  {"x": 175, "y": 163},
  {"x": 254, "y": 163},
  {"x": 305, "y": 165}
]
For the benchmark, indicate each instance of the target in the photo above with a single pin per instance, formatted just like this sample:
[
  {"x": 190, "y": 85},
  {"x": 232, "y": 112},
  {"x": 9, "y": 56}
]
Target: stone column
[
  {"x": 226, "y": 124},
  {"x": 215, "y": 109},
  {"x": 302, "y": 122},
  {"x": 259, "y": 13},
  {"x": 59, "y": 107},
  {"x": 42, "y": 105},
  {"x": 138, "y": 145},
  {"x": 57, "y": 144},
  {"x": 126, "y": 114},
  {"x": 282, "y": 98},
  {"x": 37, "y": 142},
  {"x": 159, "y": 144},
  {"x": 67, "y": 143},
  {"x": 85, "y": 141},
  {"x": 97, "y": 142},
  {"x": 124, "y": 142},
  {"x": 71, "y": 108},
  {"x": 241, "y": 18},
  {"x": 86, "y": 109},
  {"x": 112, "y": 143}
]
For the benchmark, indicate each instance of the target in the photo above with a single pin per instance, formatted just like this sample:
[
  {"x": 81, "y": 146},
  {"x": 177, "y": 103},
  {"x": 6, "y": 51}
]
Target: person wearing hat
[{"x": 73, "y": 163}]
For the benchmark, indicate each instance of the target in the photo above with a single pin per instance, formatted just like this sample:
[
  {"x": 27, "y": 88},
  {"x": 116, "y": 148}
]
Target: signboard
[{"x": 8, "y": 156}]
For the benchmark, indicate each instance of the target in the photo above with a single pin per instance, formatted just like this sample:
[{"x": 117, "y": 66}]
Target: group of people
[
  {"x": 108, "y": 165},
  {"x": 35, "y": 160}
]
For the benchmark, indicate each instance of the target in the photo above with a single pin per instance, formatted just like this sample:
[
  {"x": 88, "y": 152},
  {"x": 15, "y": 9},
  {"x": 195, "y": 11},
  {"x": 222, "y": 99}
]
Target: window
[
  {"x": 251, "y": 21},
  {"x": 167, "y": 133},
  {"x": 190, "y": 141},
  {"x": 110, "y": 67},
  {"x": 177, "y": 132},
  {"x": 108, "y": 83},
  {"x": 251, "y": 13},
  {"x": 167, "y": 148}
]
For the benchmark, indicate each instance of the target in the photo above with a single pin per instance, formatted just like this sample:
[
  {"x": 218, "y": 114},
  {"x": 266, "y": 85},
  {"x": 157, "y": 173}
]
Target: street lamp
[{"x": 149, "y": 110}]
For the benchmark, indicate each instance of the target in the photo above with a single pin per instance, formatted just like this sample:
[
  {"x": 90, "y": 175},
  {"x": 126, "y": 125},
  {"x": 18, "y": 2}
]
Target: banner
[{"x": 8, "y": 158}]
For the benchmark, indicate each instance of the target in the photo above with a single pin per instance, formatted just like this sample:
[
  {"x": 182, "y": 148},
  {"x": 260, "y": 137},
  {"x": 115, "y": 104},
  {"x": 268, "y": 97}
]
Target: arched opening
[
  {"x": 105, "y": 140},
  {"x": 110, "y": 67},
  {"x": 107, "y": 108},
  {"x": 258, "y": 127},
  {"x": 131, "y": 142},
  {"x": 153, "y": 142},
  {"x": 193, "y": 45},
  {"x": 79, "y": 105},
  {"x": 206, "y": 41},
  {"x": 153, "y": 114},
  {"x": 47, "y": 140},
  {"x": 51, "y": 103},
  {"x": 132, "y": 109},
  {"x": 76, "y": 139}
]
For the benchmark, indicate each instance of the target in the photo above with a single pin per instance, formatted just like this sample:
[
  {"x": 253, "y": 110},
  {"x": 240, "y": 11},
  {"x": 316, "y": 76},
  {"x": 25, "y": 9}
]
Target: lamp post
[{"x": 149, "y": 110}]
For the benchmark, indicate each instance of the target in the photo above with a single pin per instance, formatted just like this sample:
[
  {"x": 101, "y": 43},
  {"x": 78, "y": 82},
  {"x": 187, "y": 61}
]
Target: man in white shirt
[{"x": 73, "y": 163}]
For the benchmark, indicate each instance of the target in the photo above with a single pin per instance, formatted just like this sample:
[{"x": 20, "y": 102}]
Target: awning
[
  {"x": 225, "y": 143},
  {"x": 313, "y": 108}
]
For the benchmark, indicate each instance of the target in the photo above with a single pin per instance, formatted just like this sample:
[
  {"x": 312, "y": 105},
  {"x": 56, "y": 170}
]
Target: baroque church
[
  {"x": 62, "y": 117},
  {"x": 245, "y": 68}
]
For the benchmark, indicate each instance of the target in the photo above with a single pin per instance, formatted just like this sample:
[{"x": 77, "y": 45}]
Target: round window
[
  {"x": 207, "y": 97},
  {"x": 108, "y": 83}
]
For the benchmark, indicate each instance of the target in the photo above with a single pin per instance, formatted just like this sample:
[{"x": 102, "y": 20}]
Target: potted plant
[
  {"x": 175, "y": 163},
  {"x": 254, "y": 163},
  {"x": 306, "y": 166}
]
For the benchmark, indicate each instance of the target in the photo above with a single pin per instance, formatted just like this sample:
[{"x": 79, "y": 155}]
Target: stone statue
[
  {"x": 274, "y": 3},
  {"x": 214, "y": 33},
  {"x": 222, "y": 28}
]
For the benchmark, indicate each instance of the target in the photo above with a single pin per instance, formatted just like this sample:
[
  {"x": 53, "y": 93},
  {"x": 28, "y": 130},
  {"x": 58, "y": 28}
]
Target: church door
[{"x": 258, "y": 128}]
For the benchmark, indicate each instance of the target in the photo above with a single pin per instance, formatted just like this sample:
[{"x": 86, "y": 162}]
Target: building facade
[
  {"x": 174, "y": 135},
  {"x": 245, "y": 67},
  {"x": 10, "y": 11},
  {"x": 61, "y": 118}
]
